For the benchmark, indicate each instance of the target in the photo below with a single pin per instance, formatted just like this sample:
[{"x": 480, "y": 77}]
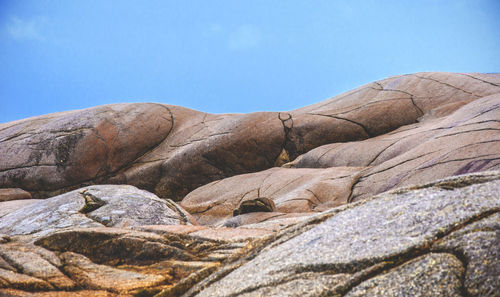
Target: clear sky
[{"x": 229, "y": 56}]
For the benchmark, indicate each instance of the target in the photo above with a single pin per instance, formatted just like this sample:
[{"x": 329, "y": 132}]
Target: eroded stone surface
[
  {"x": 429, "y": 275},
  {"x": 464, "y": 141},
  {"x": 390, "y": 228},
  {"x": 95, "y": 276},
  {"x": 65, "y": 149},
  {"x": 439, "y": 238},
  {"x": 147, "y": 145},
  {"x": 479, "y": 245},
  {"x": 292, "y": 190},
  {"x": 119, "y": 206}
]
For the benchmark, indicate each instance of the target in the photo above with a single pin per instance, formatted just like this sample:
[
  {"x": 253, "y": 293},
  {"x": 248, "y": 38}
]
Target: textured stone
[
  {"x": 64, "y": 149},
  {"x": 309, "y": 227},
  {"x": 33, "y": 264},
  {"x": 119, "y": 206},
  {"x": 388, "y": 228},
  {"x": 429, "y": 275},
  {"x": 96, "y": 276},
  {"x": 462, "y": 142},
  {"x": 7, "y": 207},
  {"x": 147, "y": 145},
  {"x": 292, "y": 190},
  {"x": 21, "y": 281},
  {"x": 80, "y": 293},
  {"x": 479, "y": 245}
]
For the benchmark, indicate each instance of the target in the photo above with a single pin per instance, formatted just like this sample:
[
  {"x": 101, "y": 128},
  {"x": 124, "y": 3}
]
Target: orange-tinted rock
[
  {"x": 61, "y": 150},
  {"x": 170, "y": 150},
  {"x": 464, "y": 141},
  {"x": 292, "y": 190},
  {"x": 80, "y": 293},
  {"x": 91, "y": 275},
  {"x": 13, "y": 194}
]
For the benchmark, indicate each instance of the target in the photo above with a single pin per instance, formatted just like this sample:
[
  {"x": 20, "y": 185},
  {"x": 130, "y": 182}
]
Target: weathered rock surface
[
  {"x": 108, "y": 240},
  {"x": 439, "y": 239},
  {"x": 269, "y": 203},
  {"x": 292, "y": 190},
  {"x": 147, "y": 145},
  {"x": 94, "y": 206},
  {"x": 465, "y": 141},
  {"x": 407, "y": 242}
]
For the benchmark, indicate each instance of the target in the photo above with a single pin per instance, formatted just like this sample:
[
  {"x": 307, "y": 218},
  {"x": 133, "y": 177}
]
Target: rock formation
[{"x": 391, "y": 189}]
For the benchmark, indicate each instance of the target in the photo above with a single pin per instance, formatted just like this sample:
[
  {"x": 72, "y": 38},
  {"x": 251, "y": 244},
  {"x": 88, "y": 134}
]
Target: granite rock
[
  {"x": 386, "y": 233},
  {"x": 300, "y": 203},
  {"x": 147, "y": 145}
]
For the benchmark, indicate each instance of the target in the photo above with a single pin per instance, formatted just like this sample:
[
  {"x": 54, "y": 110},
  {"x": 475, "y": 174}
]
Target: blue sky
[{"x": 229, "y": 56}]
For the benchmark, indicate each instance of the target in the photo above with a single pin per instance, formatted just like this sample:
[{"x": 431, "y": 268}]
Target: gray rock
[
  {"x": 479, "y": 246},
  {"x": 94, "y": 206},
  {"x": 429, "y": 275},
  {"x": 390, "y": 228}
]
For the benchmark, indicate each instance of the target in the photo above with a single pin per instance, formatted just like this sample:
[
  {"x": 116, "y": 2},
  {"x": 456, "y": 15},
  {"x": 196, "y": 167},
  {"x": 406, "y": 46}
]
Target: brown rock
[
  {"x": 462, "y": 142},
  {"x": 148, "y": 145},
  {"x": 13, "y": 194},
  {"x": 291, "y": 190},
  {"x": 81, "y": 293},
  {"x": 95, "y": 276},
  {"x": 36, "y": 262},
  {"x": 61, "y": 150}
]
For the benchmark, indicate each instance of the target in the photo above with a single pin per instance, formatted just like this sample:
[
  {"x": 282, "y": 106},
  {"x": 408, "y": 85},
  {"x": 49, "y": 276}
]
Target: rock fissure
[
  {"x": 468, "y": 131},
  {"x": 365, "y": 130},
  {"x": 446, "y": 84},
  {"x": 288, "y": 150},
  {"x": 458, "y": 160},
  {"x": 398, "y": 164},
  {"x": 91, "y": 202},
  {"x": 482, "y": 80}
]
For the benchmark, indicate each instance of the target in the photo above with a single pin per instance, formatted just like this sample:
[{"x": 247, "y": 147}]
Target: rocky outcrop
[
  {"x": 439, "y": 239},
  {"x": 386, "y": 190},
  {"x": 95, "y": 206},
  {"x": 147, "y": 145},
  {"x": 293, "y": 191},
  {"x": 414, "y": 242}
]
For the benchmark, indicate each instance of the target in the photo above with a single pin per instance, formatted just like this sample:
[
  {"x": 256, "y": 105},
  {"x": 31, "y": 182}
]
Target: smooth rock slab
[
  {"x": 291, "y": 190},
  {"x": 171, "y": 151},
  {"x": 13, "y": 194},
  {"x": 65, "y": 149}
]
